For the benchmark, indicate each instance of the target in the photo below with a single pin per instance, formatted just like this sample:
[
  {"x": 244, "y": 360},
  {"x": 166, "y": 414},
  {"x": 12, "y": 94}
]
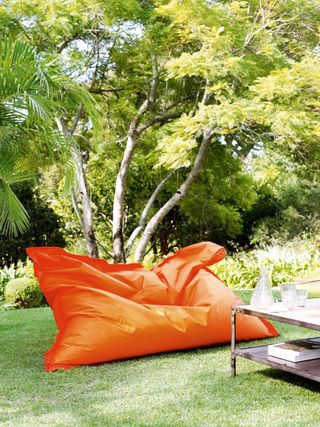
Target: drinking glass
[
  {"x": 289, "y": 294},
  {"x": 302, "y": 296}
]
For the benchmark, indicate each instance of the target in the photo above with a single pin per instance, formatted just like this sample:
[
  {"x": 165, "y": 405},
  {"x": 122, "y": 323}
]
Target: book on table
[{"x": 296, "y": 350}]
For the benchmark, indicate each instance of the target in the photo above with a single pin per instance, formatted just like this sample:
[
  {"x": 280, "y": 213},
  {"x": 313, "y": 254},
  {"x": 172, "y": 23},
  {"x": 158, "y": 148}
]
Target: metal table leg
[{"x": 233, "y": 342}]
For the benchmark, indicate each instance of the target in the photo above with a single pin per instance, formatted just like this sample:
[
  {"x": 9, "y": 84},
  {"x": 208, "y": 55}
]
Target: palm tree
[{"x": 33, "y": 93}]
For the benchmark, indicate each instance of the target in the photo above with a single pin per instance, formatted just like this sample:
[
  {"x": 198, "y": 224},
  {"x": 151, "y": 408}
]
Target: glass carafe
[{"x": 262, "y": 297}]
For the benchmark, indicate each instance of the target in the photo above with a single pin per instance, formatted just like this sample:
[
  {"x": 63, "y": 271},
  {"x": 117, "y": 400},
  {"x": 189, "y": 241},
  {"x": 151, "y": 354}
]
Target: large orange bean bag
[{"x": 110, "y": 312}]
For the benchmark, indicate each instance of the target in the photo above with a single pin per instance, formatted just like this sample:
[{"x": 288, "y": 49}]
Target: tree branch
[
  {"x": 150, "y": 97},
  {"x": 62, "y": 126},
  {"x": 146, "y": 210},
  {"x": 265, "y": 23},
  {"x": 66, "y": 41},
  {"x": 120, "y": 186},
  {"x": 179, "y": 194},
  {"x": 155, "y": 79},
  {"x": 105, "y": 250},
  {"x": 101, "y": 91},
  {"x": 76, "y": 208},
  {"x": 76, "y": 119},
  {"x": 206, "y": 94},
  {"x": 86, "y": 217},
  {"x": 163, "y": 118}
]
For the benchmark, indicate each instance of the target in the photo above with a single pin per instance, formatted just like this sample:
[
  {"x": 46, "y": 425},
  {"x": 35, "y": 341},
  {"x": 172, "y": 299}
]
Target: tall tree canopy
[{"x": 184, "y": 88}]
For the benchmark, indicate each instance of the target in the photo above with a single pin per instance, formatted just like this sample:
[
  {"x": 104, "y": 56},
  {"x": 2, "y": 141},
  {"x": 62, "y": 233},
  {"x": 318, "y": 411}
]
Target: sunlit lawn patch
[{"x": 189, "y": 388}]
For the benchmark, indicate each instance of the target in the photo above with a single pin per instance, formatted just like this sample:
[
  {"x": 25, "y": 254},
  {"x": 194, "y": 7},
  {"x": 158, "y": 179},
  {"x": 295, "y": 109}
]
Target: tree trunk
[
  {"x": 172, "y": 202},
  {"x": 135, "y": 131},
  {"x": 87, "y": 216},
  {"x": 118, "y": 202},
  {"x": 86, "y": 219},
  {"x": 146, "y": 210}
]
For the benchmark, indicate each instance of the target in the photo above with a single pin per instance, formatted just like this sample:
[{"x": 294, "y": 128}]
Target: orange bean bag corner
[{"x": 107, "y": 312}]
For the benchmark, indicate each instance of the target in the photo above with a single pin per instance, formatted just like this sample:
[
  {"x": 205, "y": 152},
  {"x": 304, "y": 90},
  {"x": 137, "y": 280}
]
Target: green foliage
[
  {"x": 216, "y": 203},
  {"x": 295, "y": 260},
  {"x": 292, "y": 99},
  {"x": 22, "y": 79},
  {"x": 249, "y": 70},
  {"x": 46, "y": 229},
  {"x": 255, "y": 79},
  {"x": 65, "y": 20},
  {"x": 33, "y": 91},
  {"x": 23, "y": 292},
  {"x": 212, "y": 210},
  {"x": 288, "y": 201},
  {"x": 25, "y": 107},
  {"x": 6, "y": 275},
  {"x": 14, "y": 271}
]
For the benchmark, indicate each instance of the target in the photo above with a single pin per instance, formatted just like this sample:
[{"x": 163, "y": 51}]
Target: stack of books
[{"x": 296, "y": 350}]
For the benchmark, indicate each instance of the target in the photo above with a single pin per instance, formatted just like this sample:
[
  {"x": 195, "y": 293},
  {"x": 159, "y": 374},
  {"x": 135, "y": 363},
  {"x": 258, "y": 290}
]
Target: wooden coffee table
[{"x": 307, "y": 317}]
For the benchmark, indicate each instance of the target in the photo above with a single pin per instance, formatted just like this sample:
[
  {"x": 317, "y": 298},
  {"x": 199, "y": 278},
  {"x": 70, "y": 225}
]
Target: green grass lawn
[{"x": 189, "y": 388}]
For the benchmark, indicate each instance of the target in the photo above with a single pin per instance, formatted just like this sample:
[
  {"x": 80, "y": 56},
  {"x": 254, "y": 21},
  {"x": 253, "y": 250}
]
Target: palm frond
[
  {"x": 23, "y": 71},
  {"x": 39, "y": 107},
  {"x": 33, "y": 92},
  {"x": 70, "y": 174},
  {"x": 74, "y": 95},
  {"x": 11, "y": 138},
  {"x": 45, "y": 80},
  {"x": 14, "y": 218},
  {"x": 14, "y": 53},
  {"x": 9, "y": 114}
]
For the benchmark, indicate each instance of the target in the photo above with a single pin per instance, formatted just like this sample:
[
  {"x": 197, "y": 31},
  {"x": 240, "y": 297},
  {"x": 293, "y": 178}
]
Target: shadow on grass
[{"x": 291, "y": 379}]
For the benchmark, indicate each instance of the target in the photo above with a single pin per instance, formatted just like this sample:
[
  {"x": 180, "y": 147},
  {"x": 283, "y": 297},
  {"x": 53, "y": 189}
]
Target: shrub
[
  {"x": 23, "y": 292},
  {"x": 297, "y": 259},
  {"x": 8, "y": 273}
]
